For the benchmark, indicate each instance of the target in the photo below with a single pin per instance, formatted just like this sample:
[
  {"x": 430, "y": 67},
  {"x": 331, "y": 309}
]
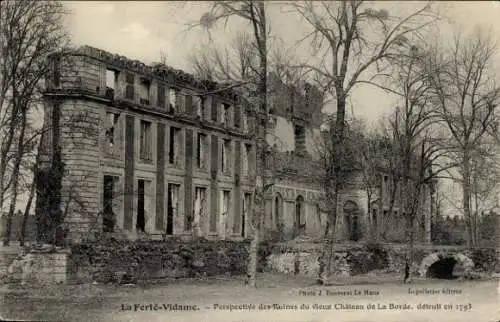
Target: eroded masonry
[{"x": 152, "y": 150}]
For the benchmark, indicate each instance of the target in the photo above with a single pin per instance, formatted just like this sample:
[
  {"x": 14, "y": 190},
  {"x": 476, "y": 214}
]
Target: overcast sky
[{"x": 141, "y": 30}]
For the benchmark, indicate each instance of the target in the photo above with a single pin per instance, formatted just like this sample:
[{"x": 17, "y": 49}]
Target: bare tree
[
  {"x": 420, "y": 152},
  {"x": 29, "y": 31},
  {"x": 31, "y": 193},
  {"x": 390, "y": 173},
  {"x": 467, "y": 95},
  {"x": 484, "y": 184},
  {"x": 233, "y": 64},
  {"x": 371, "y": 163},
  {"x": 238, "y": 66},
  {"x": 354, "y": 165},
  {"x": 352, "y": 40},
  {"x": 255, "y": 14}
]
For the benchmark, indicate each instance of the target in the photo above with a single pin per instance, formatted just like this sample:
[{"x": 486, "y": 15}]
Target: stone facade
[
  {"x": 146, "y": 150},
  {"x": 298, "y": 196},
  {"x": 153, "y": 150}
]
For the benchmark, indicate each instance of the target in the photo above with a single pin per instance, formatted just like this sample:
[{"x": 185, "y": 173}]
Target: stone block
[{"x": 40, "y": 267}]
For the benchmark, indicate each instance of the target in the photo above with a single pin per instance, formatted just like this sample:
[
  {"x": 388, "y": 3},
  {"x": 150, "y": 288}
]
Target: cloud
[{"x": 136, "y": 30}]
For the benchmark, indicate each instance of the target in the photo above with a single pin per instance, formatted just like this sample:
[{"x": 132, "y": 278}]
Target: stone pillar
[
  {"x": 268, "y": 217},
  {"x": 364, "y": 216},
  {"x": 497, "y": 226},
  {"x": 313, "y": 226},
  {"x": 288, "y": 216}
]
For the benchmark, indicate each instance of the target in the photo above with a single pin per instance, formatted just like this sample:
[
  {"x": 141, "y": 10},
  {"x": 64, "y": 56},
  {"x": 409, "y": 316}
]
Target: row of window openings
[
  {"x": 146, "y": 143},
  {"x": 177, "y": 101},
  {"x": 175, "y": 144},
  {"x": 173, "y": 190}
]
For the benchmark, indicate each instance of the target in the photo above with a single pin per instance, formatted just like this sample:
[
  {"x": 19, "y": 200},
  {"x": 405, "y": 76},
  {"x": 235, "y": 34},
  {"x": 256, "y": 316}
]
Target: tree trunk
[
  {"x": 252, "y": 266},
  {"x": 30, "y": 197},
  {"x": 392, "y": 201},
  {"x": 327, "y": 244},
  {"x": 254, "y": 245},
  {"x": 49, "y": 186},
  {"x": 369, "y": 218},
  {"x": 15, "y": 180},
  {"x": 325, "y": 260},
  {"x": 262, "y": 117},
  {"x": 433, "y": 216},
  {"x": 466, "y": 194},
  {"x": 6, "y": 147},
  {"x": 410, "y": 250},
  {"x": 476, "y": 215},
  {"x": 331, "y": 234},
  {"x": 411, "y": 204},
  {"x": 26, "y": 214}
]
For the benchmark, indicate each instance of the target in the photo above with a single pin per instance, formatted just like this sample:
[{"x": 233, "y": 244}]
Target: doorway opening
[
  {"x": 109, "y": 217},
  {"x": 141, "y": 211}
]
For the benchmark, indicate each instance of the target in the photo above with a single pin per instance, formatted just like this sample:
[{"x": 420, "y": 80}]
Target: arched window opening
[
  {"x": 374, "y": 219},
  {"x": 300, "y": 221},
  {"x": 278, "y": 209},
  {"x": 351, "y": 217}
]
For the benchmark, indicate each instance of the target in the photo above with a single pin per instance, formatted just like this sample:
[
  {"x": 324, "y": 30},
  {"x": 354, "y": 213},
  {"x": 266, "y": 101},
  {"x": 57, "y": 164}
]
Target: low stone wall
[
  {"x": 359, "y": 259},
  {"x": 396, "y": 259},
  {"x": 122, "y": 261},
  {"x": 125, "y": 261},
  {"x": 305, "y": 263},
  {"x": 347, "y": 262},
  {"x": 40, "y": 266}
]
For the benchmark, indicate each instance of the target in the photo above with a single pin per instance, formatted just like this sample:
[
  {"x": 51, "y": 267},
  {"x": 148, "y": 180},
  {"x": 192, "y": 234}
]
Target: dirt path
[{"x": 280, "y": 298}]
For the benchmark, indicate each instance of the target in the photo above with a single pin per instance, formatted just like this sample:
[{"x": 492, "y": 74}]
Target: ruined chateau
[{"x": 153, "y": 151}]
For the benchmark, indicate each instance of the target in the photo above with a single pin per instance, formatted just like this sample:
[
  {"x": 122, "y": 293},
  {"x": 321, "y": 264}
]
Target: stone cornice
[{"x": 159, "y": 72}]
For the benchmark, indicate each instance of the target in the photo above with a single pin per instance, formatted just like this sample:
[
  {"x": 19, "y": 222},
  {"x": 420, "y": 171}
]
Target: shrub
[
  {"x": 380, "y": 254},
  {"x": 484, "y": 259},
  {"x": 418, "y": 255}
]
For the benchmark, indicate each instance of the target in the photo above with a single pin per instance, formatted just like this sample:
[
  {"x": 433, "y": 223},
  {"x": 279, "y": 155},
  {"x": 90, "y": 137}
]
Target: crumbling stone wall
[
  {"x": 38, "y": 266},
  {"x": 354, "y": 260},
  {"x": 120, "y": 261},
  {"x": 347, "y": 261}
]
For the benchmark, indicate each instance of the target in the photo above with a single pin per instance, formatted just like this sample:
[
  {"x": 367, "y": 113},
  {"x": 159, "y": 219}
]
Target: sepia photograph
[{"x": 250, "y": 161}]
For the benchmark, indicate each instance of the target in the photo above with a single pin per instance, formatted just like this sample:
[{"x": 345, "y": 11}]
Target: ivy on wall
[{"x": 49, "y": 216}]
